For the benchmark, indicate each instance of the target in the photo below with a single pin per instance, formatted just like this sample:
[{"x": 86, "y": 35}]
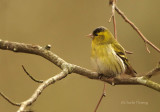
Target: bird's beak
[{"x": 89, "y": 35}]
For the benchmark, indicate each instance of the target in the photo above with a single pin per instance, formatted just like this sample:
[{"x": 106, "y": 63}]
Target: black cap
[{"x": 97, "y": 30}]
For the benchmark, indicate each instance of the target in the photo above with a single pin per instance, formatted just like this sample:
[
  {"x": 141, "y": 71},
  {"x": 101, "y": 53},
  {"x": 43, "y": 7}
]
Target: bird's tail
[{"x": 130, "y": 71}]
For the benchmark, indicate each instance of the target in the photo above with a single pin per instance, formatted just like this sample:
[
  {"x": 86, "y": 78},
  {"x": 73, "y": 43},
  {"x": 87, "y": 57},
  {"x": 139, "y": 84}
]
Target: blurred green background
[{"x": 64, "y": 24}]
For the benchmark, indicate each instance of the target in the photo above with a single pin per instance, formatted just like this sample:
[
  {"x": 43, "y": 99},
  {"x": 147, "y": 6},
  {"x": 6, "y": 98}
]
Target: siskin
[{"x": 107, "y": 55}]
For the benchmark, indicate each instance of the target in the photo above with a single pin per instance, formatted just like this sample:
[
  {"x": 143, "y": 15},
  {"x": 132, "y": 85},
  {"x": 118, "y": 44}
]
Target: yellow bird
[{"x": 107, "y": 55}]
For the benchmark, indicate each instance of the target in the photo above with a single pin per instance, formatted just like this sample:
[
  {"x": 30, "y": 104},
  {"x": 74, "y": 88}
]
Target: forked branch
[
  {"x": 146, "y": 41},
  {"x": 68, "y": 68}
]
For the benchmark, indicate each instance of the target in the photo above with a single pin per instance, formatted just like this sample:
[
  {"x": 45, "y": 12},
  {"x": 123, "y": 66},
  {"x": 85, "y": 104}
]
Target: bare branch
[
  {"x": 38, "y": 81},
  {"x": 40, "y": 89},
  {"x": 102, "y": 96},
  {"x": 115, "y": 28},
  {"x": 31, "y": 49},
  {"x": 7, "y": 99},
  {"x": 35, "y": 49},
  {"x": 126, "y": 80},
  {"x": 153, "y": 72},
  {"x": 137, "y": 30},
  {"x": 68, "y": 68},
  {"x": 113, "y": 3}
]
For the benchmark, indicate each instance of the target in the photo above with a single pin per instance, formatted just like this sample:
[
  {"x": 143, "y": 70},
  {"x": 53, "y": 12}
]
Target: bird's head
[{"x": 101, "y": 35}]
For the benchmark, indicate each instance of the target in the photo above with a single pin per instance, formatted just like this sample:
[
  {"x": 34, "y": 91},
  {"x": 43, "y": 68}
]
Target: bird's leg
[{"x": 100, "y": 75}]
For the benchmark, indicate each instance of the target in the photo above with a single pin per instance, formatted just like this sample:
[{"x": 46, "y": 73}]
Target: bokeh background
[{"x": 64, "y": 24}]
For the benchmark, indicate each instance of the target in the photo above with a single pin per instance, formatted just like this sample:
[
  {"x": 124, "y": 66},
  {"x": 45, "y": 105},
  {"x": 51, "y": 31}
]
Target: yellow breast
[{"x": 106, "y": 61}]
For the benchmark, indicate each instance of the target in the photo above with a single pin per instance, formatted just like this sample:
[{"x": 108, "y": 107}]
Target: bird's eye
[{"x": 96, "y": 34}]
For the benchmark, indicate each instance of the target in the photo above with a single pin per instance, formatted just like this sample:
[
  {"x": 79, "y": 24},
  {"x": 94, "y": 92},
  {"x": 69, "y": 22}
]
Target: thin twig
[
  {"x": 110, "y": 19},
  {"x": 7, "y": 99},
  {"x": 113, "y": 3},
  {"x": 38, "y": 81},
  {"x": 147, "y": 48},
  {"x": 115, "y": 28},
  {"x": 28, "y": 111},
  {"x": 153, "y": 72},
  {"x": 114, "y": 20},
  {"x": 136, "y": 29},
  {"x": 102, "y": 96},
  {"x": 128, "y": 52}
]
